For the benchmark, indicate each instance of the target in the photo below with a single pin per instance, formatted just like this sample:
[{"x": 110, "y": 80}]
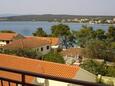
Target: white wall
[
  {"x": 70, "y": 60},
  {"x": 57, "y": 83},
  {"x": 2, "y": 43},
  {"x": 51, "y": 82},
  {"x": 45, "y": 50},
  {"x": 55, "y": 46}
]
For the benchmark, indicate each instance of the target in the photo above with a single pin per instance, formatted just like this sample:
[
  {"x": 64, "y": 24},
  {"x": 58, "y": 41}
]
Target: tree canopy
[
  {"x": 98, "y": 68},
  {"x": 100, "y": 34},
  {"x": 29, "y": 53},
  {"x": 65, "y": 34},
  {"x": 60, "y": 30},
  {"x": 40, "y": 32},
  {"x": 84, "y": 34},
  {"x": 111, "y": 33},
  {"x": 7, "y": 31},
  {"x": 101, "y": 50}
]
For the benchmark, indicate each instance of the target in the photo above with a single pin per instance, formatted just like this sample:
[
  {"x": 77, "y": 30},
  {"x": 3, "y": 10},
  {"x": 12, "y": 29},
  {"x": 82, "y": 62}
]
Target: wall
[
  {"x": 45, "y": 50},
  {"x": 2, "y": 43},
  {"x": 47, "y": 82},
  {"x": 71, "y": 60},
  {"x": 55, "y": 46},
  {"x": 57, "y": 83}
]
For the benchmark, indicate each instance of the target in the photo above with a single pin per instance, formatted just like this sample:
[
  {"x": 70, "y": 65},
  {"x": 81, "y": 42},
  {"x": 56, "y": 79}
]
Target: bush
[
  {"x": 53, "y": 57},
  {"x": 29, "y": 53},
  {"x": 98, "y": 68}
]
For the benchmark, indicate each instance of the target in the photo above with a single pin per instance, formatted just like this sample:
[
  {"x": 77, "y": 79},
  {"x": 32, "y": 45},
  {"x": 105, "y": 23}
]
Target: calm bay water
[{"x": 28, "y": 27}]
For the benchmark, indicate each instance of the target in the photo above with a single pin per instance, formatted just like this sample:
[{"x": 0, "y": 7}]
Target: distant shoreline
[
  {"x": 62, "y": 18},
  {"x": 61, "y": 22}
]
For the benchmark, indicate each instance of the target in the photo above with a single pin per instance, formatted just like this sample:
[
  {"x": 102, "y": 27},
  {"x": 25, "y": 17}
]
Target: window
[
  {"x": 7, "y": 42},
  {"x": 48, "y": 47},
  {"x": 42, "y": 49}
]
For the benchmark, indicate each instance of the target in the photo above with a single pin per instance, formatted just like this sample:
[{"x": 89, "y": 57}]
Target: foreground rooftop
[
  {"x": 22, "y": 70},
  {"x": 37, "y": 66}
]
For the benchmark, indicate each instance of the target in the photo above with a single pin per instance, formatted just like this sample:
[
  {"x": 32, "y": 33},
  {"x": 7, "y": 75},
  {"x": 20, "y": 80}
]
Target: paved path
[{"x": 85, "y": 76}]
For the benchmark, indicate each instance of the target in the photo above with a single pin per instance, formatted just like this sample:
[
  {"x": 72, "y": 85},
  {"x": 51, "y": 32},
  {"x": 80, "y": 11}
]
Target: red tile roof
[
  {"x": 72, "y": 52},
  {"x": 26, "y": 43},
  {"x": 37, "y": 66},
  {"x": 7, "y": 36},
  {"x": 53, "y": 40}
]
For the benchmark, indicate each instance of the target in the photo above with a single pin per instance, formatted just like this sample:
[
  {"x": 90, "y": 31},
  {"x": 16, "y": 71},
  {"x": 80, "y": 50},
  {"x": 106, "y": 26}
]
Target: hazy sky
[{"x": 73, "y": 7}]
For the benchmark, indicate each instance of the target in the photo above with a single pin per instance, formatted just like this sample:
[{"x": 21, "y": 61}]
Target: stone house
[{"x": 39, "y": 45}]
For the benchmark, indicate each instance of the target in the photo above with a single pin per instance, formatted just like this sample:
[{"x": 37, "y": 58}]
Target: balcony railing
[{"x": 27, "y": 73}]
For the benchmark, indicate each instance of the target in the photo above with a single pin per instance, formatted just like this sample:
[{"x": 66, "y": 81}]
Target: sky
[{"x": 71, "y": 7}]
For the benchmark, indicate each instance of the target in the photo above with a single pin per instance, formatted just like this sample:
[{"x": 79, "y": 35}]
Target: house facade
[
  {"x": 38, "y": 45},
  {"x": 6, "y": 38},
  {"x": 54, "y": 41}
]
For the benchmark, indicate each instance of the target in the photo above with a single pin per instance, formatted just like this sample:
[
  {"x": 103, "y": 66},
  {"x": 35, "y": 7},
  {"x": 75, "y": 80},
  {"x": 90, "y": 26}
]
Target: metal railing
[{"x": 27, "y": 73}]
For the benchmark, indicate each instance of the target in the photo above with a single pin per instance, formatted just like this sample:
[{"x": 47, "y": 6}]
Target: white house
[
  {"x": 54, "y": 41},
  {"x": 6, "y": 38},
  {"x": 41, "y": 46}
]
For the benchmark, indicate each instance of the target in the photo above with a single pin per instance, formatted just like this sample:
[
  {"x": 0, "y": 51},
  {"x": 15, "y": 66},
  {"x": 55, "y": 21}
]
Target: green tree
[
  {"x": 53, "y": 57},
  {"x": 111, "y": 33},
  {"x": 98, "y": 68},
  {"x": 112, "y": 45},
  {"x": 99, "y": 49},
  {"x": 100, "y": 34},
  {"x": 95, "y": 67},
  {"x": 60, "y": 30},
  {"x": 95, "y": 48},
  {"x": 84, "y": 35},
  {"x": 40, "y": 32},
  {"x": 63, "y": 32},
  {"x": 29, "y": 53}
]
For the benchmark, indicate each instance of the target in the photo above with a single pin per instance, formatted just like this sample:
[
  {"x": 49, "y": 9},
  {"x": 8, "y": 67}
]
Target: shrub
[{"x": 98, "y": 68}]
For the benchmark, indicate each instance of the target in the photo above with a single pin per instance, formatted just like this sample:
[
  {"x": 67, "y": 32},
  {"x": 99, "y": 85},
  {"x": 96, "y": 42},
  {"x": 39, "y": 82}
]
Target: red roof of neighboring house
[
  {"x": 37, "y": 66},
  {"x": 53, "y": 40},
  {"x": 72, "y": 52},
  {"x": 26, "y": 43},
  {"x": 7, "y": 36}
]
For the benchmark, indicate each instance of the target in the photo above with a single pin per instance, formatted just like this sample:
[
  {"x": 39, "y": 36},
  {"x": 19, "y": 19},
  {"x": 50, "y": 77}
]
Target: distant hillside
[
  {"x": 8, "y": 15},
  {"x": 49, "y": 17}
]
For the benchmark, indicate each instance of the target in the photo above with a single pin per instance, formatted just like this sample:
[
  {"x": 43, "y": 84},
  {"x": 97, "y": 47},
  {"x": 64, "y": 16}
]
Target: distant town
[{"x": 63, "y": 18}]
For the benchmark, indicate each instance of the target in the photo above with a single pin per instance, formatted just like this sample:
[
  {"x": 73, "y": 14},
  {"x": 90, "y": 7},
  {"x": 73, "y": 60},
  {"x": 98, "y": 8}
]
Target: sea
[{"x": 28, "y": 27}]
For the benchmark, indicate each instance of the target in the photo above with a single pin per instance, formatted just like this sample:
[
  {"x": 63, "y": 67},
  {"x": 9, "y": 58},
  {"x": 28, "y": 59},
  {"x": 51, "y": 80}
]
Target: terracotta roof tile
[
  {"x": 7, "y": 36},
  {"x": 26, "y": 43},
  {"x": 53, "y": 40},
  {"x": 37, "y": 66},
  {"x": 72, "y": 52}
]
